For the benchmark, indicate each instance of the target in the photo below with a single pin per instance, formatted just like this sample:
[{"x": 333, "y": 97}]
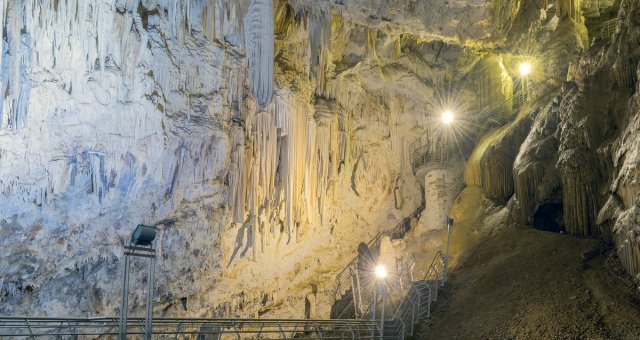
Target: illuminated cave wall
[
  {"x": 574, "y": 143},
  {"x": 265, "y": 157},
  {"x": 268, "y": 157}
]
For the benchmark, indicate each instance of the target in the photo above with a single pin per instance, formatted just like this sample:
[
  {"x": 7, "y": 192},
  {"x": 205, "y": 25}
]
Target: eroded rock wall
[
  {"x": 578, "y": 149},
  {"x": 116, "y": 113}
]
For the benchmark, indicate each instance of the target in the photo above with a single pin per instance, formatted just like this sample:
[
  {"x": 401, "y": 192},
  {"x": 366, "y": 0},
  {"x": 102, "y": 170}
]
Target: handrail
[
  {"x": 438, "y": 258},
  {"x": 608, "y": 28},
  {"x": 343, "y": 277},
  {"x": 51, "y": 327},
  {"x": 408, "y": 306}
]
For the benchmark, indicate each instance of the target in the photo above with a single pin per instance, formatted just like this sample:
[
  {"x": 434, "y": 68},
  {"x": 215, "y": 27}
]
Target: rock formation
[{"x": 267, "y": 139}]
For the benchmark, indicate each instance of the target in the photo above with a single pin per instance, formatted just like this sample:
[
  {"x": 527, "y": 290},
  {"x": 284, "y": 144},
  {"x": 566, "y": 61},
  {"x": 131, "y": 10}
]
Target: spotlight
[
  {"x": 447, "y": 117},
  {"x": 525, "y": 68},
  {"x": 381, "y": 271},
  {"x": 143, "y": 235}
]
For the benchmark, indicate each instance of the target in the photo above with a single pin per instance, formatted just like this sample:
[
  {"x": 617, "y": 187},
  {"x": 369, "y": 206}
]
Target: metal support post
[
  {"x": 140, "y": 245},
  {"x": 353, "y": 292},
  {"x": 382, "y": 313},
  {"x": 150, "y": 282},
  {"x": 373, "y": 304},
  {"x": 359, "y": 291},
  {"x": 446, "y": 256},
  {"x": 124, "y": 305}
]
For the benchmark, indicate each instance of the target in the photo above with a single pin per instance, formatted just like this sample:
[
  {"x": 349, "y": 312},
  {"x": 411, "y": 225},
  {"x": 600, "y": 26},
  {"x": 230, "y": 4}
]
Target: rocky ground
[{"x": 522, "y": 283}]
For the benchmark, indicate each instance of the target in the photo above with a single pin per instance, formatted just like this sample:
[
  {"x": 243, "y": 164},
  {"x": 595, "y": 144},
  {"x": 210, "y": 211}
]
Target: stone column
[{"x": 441, "y": 186}]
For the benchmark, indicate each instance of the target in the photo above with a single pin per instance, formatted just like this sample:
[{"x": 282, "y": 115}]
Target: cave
[
  {"x": 320, "y": 169},
  {"x": 548, "y": 217}
]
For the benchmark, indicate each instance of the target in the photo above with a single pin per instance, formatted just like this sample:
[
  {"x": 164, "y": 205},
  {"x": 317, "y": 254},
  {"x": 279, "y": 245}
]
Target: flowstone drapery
[{"x": 289, "y": 162}]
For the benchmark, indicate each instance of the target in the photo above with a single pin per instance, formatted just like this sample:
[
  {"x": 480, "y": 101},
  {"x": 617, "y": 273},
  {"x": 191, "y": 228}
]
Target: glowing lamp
[
  {"x": 381, "y": 271},
  {"x": 447, "y": 117},
  {"x": 525, "y": 68}
]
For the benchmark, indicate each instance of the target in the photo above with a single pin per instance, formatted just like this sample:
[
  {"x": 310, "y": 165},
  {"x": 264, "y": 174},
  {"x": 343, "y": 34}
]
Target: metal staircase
[
  {"x": 345, "y": 280},
  {"x": 407, "y": 303},
  {"x": 606, "y": 29}
]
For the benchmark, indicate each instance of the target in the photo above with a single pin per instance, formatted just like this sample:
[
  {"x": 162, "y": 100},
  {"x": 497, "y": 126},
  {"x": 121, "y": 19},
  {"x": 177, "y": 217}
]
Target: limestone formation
[{"x": 267, "y": 138}]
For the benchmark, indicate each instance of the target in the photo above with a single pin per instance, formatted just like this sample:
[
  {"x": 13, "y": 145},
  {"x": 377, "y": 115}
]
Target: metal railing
[
  {"x": 416, "y": 303},
  {"x": 414, "y": 308},
  {"x": 607, "y": 28},
  {"x": 71, "y": 328},
  {"x": 344, "y": 279},
  {"x": 430, "y": 147},
  {"x": 434, "y": 276},
  {"x": 407, "y": 302}
]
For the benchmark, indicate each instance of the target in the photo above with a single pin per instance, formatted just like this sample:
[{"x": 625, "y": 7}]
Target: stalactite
[
  {"x": 320, "y": 41},
  {"x": 310, "y": 170},
  {"x": 526, "y": 182},
  {"x": 569, "y": 9},
  {"x": 258, "y": 31},
  {"x": 15, "y": 83},
  {"x": 626, "y": 235},
  {"x": 237, "y": 175},
  {"x": 579, "y": 193},
  {"x": 82, "y": 38}
]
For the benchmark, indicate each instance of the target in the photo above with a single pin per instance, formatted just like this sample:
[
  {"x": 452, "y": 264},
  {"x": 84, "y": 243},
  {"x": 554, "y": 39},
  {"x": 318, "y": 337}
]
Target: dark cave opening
[{"x": 549, "y": 217}]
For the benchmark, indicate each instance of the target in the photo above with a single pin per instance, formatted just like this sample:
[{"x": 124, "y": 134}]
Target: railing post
[
  {"x": 359, "y": 290},
  {"x": 59, "y": 336},
  {"x": 382, "y": 291},
  {"x": 446, "y": 257},
  {"x": 149, "y": 311},
  {"x": 124, "y": 305},
  {"x": 413, "y": 314},
  {"x": 319, "y": 331},
  {"x": 31, "y": 336},
  {"x": 429, "y": 301},
  {"x": 353, "y": 290},
  {"x": 235, "y": 328}
]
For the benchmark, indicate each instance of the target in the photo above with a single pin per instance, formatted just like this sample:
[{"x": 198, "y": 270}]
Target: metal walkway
[
  {"x": 407, "y": 303},
  {"x": 177, "y": 328}
]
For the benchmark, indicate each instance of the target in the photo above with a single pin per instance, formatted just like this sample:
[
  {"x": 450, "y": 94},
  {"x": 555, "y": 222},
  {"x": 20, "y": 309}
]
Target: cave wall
[
  {"x": 266, "y": 158},
  {"x": 577, "y": 148},
  {"x": 264, "y": 168}
]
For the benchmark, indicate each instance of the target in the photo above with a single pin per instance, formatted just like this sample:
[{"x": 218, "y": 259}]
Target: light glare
[
  {"x": 525, "y": 68},
  {"x": 381, "y": 272},
  {"x": 448, "y": 117}
]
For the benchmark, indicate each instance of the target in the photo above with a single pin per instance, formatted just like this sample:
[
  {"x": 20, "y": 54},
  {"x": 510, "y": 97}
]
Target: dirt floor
[{"x": 522, "y": 283}]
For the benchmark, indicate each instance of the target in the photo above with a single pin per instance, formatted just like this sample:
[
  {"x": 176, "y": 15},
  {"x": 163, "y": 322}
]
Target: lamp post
[
  {"x": 381, "y": 274},
  {"x": 140, "y": 245},
  {"x": 446, "y": 256}
]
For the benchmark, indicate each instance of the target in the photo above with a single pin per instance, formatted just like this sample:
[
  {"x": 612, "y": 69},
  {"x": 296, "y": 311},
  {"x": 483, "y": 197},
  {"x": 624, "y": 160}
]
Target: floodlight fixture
[
  {"x": 525, "y": 68},
  {"x": 380, "y": 271},
  {"x": 143, "y": 235},
  {"x": 448, "y": 117}
]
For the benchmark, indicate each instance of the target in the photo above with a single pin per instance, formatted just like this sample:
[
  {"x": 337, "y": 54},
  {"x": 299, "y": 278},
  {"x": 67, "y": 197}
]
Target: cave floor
[{"x": 522, "y": 283}]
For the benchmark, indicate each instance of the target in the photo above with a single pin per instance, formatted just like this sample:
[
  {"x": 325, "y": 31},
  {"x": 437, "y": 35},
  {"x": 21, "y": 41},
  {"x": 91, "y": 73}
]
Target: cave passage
[{"x": 548, "y": 217}]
